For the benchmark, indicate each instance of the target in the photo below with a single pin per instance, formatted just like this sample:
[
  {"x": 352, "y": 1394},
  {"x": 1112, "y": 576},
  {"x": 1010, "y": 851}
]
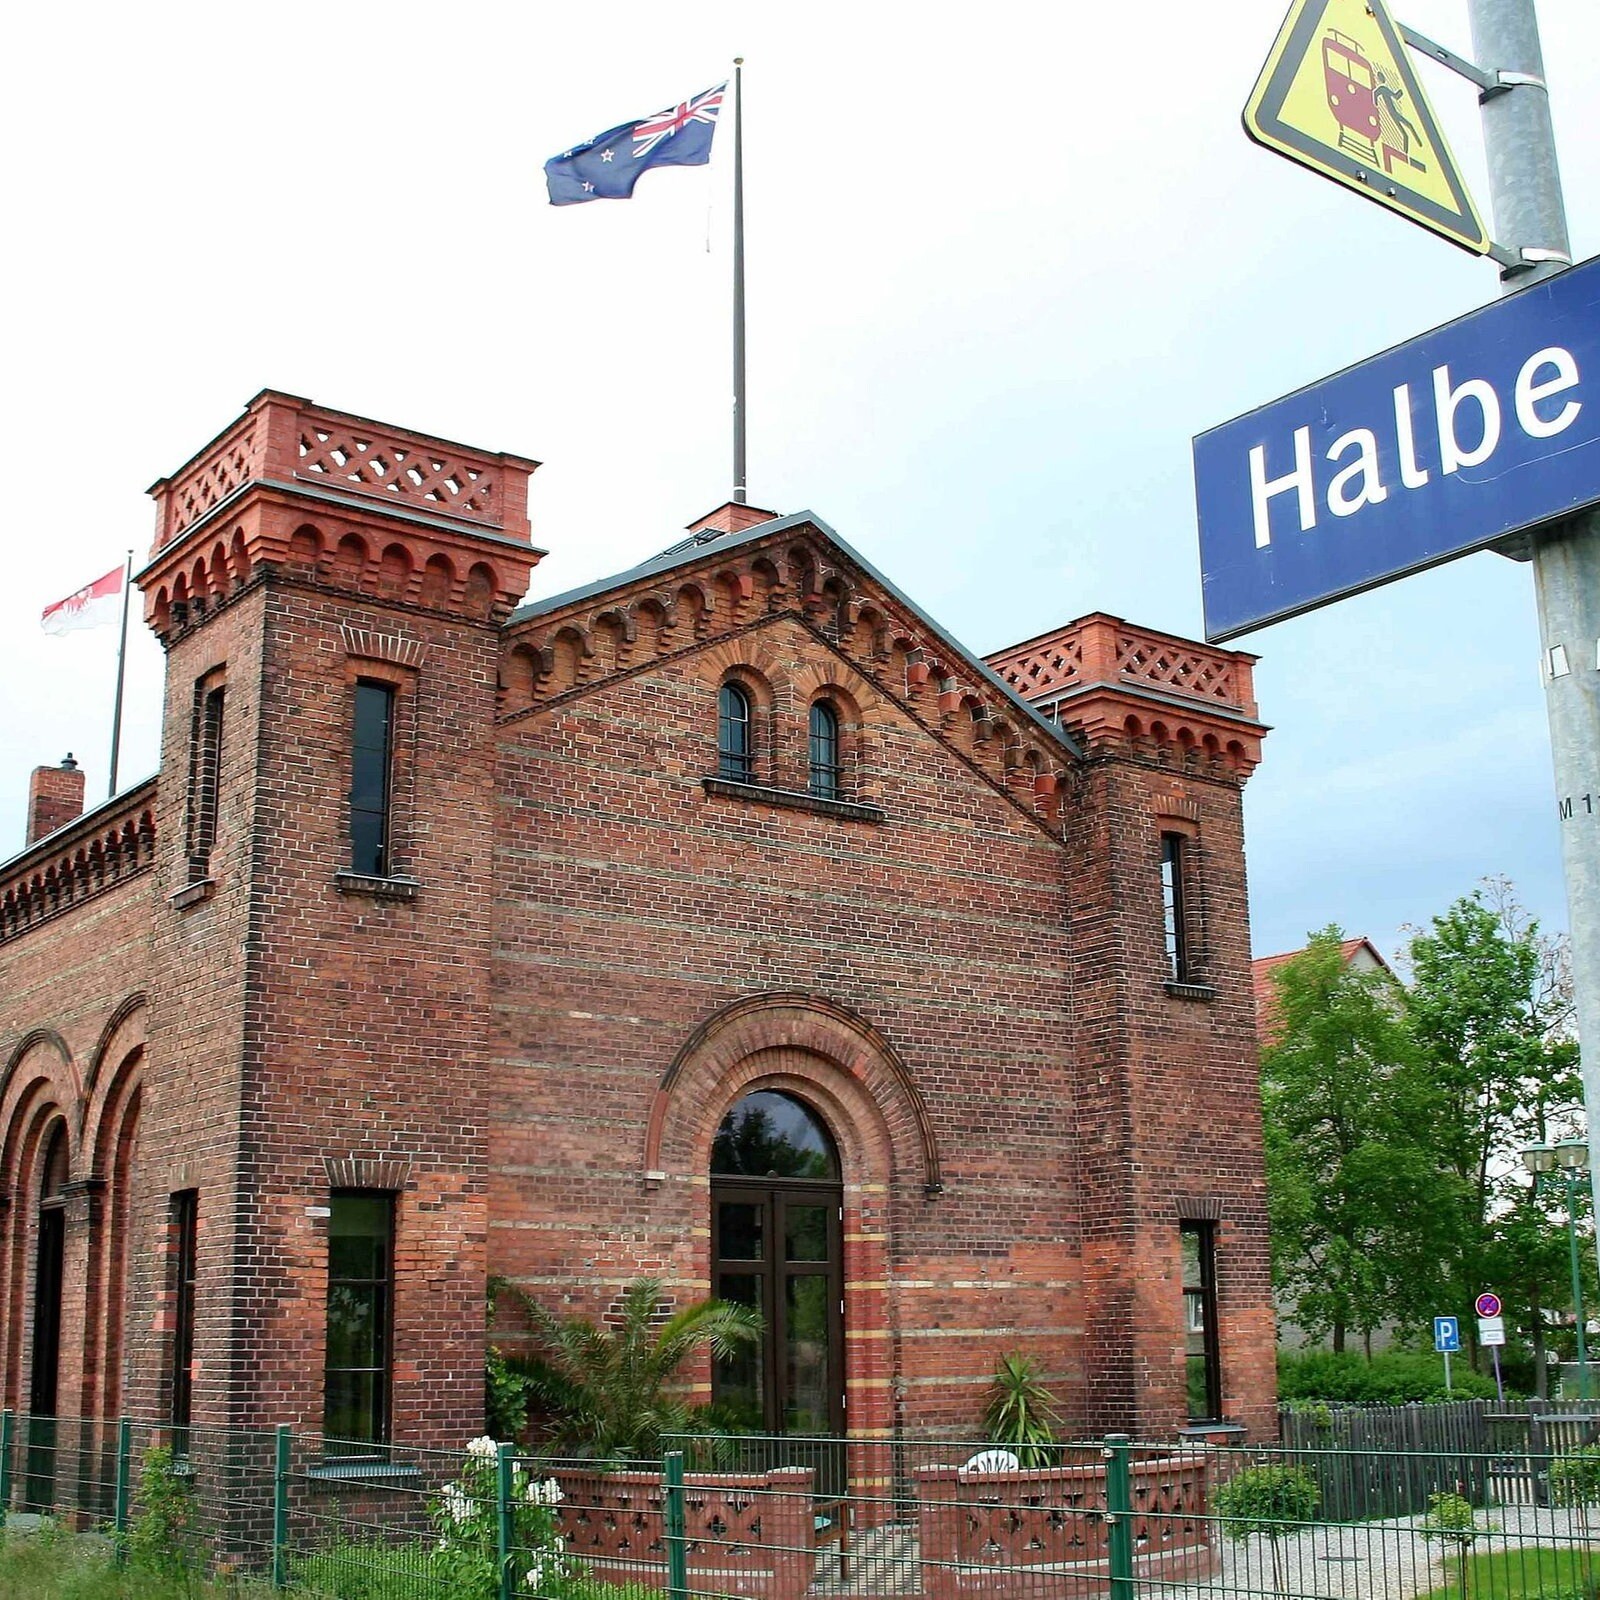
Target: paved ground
[{"x": 1387, "y": 1560}]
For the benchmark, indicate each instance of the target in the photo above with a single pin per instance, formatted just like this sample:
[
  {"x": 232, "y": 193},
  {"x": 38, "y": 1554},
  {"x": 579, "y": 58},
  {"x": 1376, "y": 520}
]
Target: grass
[
  {"x": 1531, "y": 1573},
  {"x": 53, "y": 1564}
]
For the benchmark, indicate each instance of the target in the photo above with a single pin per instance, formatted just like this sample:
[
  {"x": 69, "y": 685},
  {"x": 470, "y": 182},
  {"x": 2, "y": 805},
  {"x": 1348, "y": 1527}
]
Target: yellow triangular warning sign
[{"x": 1338, "y": 95}]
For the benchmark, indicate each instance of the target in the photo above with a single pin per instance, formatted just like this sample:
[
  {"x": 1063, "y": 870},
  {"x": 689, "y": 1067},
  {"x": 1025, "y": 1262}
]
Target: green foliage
[
  {"x": 1392, "y": 1377},
  {"x": 55, "y": 1564},
  {"x": 1575, "y": 1477},
  {"x": 1394, "y": 1118},
  {"x": 1269, "y": 1500},
  {"x": 608, "y": 1389},
  {"x": 1352, "y": 1179},
  {"x": 1021, "y": 1412},
  {"x": 1451, "y": 1517},
  {"x": 160, "y": 1540}
]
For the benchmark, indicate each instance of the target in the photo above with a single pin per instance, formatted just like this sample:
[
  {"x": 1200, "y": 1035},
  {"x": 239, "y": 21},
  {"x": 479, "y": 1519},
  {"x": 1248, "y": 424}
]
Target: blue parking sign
[{"x": 1447, "y": 1335}]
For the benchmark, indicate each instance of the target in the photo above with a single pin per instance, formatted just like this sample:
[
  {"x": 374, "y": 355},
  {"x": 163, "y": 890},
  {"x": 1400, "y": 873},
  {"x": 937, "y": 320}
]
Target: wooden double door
[{"x": 777, "y": 1246}]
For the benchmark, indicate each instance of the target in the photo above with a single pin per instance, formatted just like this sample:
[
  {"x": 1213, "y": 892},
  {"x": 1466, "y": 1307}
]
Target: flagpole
[
  {"x": 122, "y": 651},
  {"x": 738, "y": 282}
]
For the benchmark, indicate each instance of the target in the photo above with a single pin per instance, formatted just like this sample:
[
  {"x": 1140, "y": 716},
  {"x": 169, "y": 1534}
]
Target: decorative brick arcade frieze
[
  {"x": 798, "y": 573},
  {"x": 343, "y": 502},
  {"x": 1137, "y": 692},
  {"x": 104, "y": 848}
]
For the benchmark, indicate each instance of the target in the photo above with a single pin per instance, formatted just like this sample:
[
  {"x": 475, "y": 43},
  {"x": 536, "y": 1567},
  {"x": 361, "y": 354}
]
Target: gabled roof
[
  {"x": 687, "y": 551},
  {"x": 1266, "y": 990}
]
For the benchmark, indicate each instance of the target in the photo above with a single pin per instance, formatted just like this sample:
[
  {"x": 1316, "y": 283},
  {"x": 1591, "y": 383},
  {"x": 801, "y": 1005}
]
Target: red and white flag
[{"x": 94, "y": 605}]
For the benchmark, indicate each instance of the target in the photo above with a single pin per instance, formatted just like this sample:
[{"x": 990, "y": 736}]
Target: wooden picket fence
[{"x": 1385, "y": 1461}]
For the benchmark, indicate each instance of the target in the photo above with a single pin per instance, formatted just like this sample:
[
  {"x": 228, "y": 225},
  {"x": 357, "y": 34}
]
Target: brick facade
[{"x": 585, "y": 946}]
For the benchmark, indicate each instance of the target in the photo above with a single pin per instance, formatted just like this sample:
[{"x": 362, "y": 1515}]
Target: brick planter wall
[
  {"x": 1042, "y": 1534},
  {"x": 749, "y": 1533}
]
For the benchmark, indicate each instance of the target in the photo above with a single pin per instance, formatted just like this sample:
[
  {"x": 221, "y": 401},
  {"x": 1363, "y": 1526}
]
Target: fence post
[
  {"x": 677, "y": 1544},
  {"x": 280, "y": 1508},
  {"x": 119, "y": 1512},
  {"x": 8, "y": 1440},
  {"x": 503, "y": 1514},
  {"x": 1119, "y": 1516}
]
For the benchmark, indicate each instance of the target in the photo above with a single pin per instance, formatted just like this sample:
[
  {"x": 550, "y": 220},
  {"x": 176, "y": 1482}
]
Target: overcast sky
[{"x": 1003, "y": 263}]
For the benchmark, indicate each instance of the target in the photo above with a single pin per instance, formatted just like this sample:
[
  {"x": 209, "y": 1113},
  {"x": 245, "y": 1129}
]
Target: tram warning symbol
[{"x": 1338, "y": 95}]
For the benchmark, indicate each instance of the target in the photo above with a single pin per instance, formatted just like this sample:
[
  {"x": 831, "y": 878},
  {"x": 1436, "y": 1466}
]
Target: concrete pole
[{"x": 1525, "y": 190}]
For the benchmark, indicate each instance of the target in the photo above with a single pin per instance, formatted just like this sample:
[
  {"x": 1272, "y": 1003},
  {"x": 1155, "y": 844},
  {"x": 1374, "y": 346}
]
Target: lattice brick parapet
[
  {"x": 286, "y": 439},
  {"x": 1179, "y": 701}
]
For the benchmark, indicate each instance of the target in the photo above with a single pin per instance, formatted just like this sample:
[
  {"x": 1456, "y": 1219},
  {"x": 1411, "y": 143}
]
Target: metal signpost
[
  {"x": 1447, "y": 1341},
  {"x": 1440, "y": 441},
  {"x": 1492, "y": 1334}
]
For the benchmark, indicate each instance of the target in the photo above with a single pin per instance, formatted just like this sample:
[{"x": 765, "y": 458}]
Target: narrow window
[
  {"x": 1203, "y": 1367},
  {"x": 205, "y": 775},
  {"x": 369, "y": 779},
  {"x": 735, "y": 759},
  {"x": 185, "y": 1224},
  {"x": 824, "y": 751},
  {"x": 1173, "y": 912},
  {"x": 357, "y": 1369}
]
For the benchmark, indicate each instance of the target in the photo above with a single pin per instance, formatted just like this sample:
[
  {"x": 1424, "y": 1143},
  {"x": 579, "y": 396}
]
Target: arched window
[
  {"x": 49, "y": 1262},
  {"x": 824, "y": 750},
  {"x": 776, "y": 1246},
  {"x": 735, "y": 753}
]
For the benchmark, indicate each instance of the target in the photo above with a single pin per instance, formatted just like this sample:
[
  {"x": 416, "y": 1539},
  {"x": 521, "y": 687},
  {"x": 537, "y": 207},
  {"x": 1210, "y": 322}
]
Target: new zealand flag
[{"x": 608, "y": 166}]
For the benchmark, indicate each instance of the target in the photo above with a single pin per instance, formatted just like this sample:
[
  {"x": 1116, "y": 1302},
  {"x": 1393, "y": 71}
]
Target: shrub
[
  {"x": 1392, "y": 1377},
  {"x": 1575, "y": 1477},
  {"x": 1270, "y": 1500},
  {"x": 160, "y": 1539}
]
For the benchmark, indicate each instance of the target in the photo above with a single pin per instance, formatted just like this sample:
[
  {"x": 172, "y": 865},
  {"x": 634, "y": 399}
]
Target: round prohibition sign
[{"x": 1488, "y": 1305}]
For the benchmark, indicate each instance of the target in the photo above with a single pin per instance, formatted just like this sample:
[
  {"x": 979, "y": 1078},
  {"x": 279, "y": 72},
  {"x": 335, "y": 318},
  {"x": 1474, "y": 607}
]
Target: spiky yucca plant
[
  {"x": 1021, "y": 1413},
  {"x": 607, "y": 1388}
]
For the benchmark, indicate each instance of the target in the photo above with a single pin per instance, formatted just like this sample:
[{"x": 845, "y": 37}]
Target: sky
[{"x": 1003, "y": 264}]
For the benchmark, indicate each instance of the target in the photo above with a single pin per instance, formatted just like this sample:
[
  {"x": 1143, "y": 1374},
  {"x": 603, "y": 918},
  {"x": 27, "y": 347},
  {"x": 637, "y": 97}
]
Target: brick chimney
[
  {"x": 733, "y": 517},
  {"x": 55, "y": 798}
]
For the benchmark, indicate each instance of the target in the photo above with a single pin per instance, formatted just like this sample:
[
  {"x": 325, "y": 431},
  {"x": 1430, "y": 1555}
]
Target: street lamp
[{"x": 1568, "y": 1161}]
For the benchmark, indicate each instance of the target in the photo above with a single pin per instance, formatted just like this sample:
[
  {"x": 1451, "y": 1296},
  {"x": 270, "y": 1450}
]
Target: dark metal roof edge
[{"x": 685, "y": 553}]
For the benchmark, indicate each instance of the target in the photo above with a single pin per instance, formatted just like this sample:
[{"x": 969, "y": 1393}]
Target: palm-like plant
[
  {"x": 1021, "y": 1413},
  {"x": 608, "y": 1387}
]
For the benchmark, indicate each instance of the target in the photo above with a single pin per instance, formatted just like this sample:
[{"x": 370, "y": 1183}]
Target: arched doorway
[
  {"x": 45, "y": 1363},
  {"x": 776, "y": 1245}
]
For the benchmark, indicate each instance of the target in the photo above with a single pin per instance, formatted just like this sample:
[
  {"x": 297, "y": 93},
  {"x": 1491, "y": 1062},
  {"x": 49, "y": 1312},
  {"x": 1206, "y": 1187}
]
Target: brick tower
[
  {"x": 1174, "y": 1191},
  {"x": 329, "y": 592}
]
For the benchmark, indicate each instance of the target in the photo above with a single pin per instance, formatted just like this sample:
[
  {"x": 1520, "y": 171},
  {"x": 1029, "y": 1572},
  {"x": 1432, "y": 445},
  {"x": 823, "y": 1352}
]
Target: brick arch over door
[
  {"x": 878, "y": 1114},
  {"x": 841, "y": 1067}
]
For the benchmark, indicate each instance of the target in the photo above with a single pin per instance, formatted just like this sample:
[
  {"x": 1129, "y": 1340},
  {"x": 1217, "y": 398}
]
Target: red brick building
[{"x": 725, "y": 920}]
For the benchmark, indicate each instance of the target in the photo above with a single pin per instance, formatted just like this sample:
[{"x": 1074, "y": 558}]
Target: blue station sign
[{"x": 1482, "y": 428}]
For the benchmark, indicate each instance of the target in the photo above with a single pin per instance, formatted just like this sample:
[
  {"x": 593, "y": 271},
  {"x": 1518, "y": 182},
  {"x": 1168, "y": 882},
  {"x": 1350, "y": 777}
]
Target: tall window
[
  {"x": 360, "y": 1345},
  {"x": 205, "y": 776},
  {"x": 185, "y": 1230},
  {"x": 735, "y": 754},
  {"x": 1174, "y": 915},
  {"x": 776, "y": 1246},
  {"x": 1204, "y": 1369},
  {"x": 370, "y": 761},
  {"x": 824, "y": 751}
]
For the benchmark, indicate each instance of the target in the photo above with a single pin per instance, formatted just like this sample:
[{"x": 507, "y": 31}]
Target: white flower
[
  {"x": 458, "y": 1502},
  {"x": 535, "y": 1574},
  {"x": 485, "y": 1448},
  {"x": 547, "y": 1493}
]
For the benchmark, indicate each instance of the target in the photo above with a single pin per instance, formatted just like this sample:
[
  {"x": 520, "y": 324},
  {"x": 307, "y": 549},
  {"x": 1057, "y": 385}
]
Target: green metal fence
[{"x": 762, "y": 1518}]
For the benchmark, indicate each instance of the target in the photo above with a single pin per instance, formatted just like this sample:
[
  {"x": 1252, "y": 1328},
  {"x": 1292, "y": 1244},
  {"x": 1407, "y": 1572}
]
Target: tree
[
  {"x": 1490, "y": 1011},
  {"x": 1351, "y": 1173}
]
